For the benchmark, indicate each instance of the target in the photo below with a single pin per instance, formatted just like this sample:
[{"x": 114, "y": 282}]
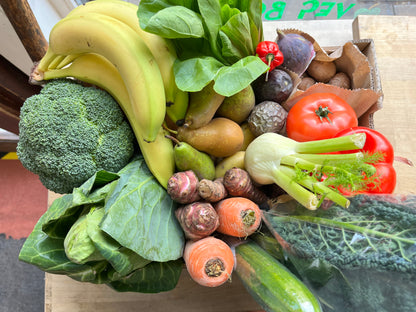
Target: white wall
[{"x": 47, "y": 13}]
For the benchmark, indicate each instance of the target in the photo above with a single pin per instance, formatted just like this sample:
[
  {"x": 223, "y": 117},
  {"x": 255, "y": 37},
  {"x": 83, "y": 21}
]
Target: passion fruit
[
  {"x": 267, "y": 116},
  {"x": 277, "y": 87}
]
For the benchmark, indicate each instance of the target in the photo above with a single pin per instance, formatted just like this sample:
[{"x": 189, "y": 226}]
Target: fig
[
  {"x": 297, "y": 51},
  {"x": 267, "y": 116},
  {"x": 277, "y": 87}
]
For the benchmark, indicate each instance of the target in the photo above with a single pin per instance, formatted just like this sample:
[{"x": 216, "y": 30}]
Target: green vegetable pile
[
  {"x": 352, "y": 258},
  {"x": 215, "y": 41},
  {"x": 68, "y": 132},
  {"x": 108, "y": 232}
]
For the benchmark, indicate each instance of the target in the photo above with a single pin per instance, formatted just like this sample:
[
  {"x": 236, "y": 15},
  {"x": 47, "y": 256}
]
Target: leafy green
[
  {"x": 155, "y": 277},
  {"x": 188, "y": 24},
  {"x": 134, "y": 190},
  {"x": 48, "y": 254},
  {"x": 122, "y": 259},
  {"x": 79, "y": 247},
  {"x": 140, "y": 215},
  {"x": 372, "y": 233},
  {"x": 209, "y": 37}
]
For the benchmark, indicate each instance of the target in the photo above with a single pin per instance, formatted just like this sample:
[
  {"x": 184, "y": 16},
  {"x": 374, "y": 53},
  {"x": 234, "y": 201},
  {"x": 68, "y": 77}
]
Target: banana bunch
[{"x": 102, "y": 43}]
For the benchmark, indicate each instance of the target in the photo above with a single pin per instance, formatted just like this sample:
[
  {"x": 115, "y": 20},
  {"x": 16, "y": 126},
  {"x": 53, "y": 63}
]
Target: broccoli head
[{"x": 68, "y": 132}]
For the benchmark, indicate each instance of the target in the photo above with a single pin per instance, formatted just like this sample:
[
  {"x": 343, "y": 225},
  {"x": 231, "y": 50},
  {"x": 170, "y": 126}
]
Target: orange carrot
[
  {"x": 209, "y": 261},
  {"x": 239, "y": 216}
]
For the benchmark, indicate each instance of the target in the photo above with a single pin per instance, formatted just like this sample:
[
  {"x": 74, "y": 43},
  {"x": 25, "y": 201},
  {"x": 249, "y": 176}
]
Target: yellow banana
[
  {"x": 55, "y": 62},
  {"x": 67, "y": 59},
  {"x": 44, "y": 63},
  {"x": 161, "y": 48},
  {"x": 97, "y": 70},
  {"x": 177, "y": 110},
  {"x": 107, "y": 36}
]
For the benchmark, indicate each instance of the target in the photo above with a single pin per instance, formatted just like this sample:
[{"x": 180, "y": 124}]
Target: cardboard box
[{"x": 356, "y": 58}]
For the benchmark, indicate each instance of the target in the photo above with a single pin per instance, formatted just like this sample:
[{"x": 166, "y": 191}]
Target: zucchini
[{"x": 270, "y": 283}]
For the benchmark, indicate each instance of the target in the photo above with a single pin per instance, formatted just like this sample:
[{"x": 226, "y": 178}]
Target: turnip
[{"x": 198, "y": 220}]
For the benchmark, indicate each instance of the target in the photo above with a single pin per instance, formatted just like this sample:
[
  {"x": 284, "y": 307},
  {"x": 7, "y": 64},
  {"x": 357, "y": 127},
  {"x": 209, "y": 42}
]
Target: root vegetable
[
  {"x": 198, "y": 220},
  {"x": 238, "y": 216},
  {"x": 238, "y": 183},
  {"x": 209, "y": 261},
  {"x": 212, "y": 191},
  {"x": 183, "y": 187}
]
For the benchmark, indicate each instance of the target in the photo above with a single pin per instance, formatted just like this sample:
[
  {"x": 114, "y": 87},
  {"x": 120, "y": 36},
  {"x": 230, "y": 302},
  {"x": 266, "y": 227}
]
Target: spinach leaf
[
  {"x": 154, "y": 277},
  {"x": 231, "y": 32},
  {"x": 148, "y": 9},
  {"x": 176, "y": 22},
  {"x": 227, "y": 12},
  {"x": 140, "y": 215},
  {"x": 236, "y": 38},
  {"x": 211, "y": 15},
  {"x": 234, "y": 78},
  {"x": 195, "y": 73}
]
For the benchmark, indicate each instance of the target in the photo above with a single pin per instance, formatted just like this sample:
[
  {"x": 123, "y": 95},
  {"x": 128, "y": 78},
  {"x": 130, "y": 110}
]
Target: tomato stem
[{"x": 323, "y": 112}]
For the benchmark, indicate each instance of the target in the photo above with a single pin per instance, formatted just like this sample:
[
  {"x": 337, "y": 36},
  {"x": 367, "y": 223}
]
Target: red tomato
[
  {"x": 319, "y": 116},
  {"x": 384, "y": 181},
  {"x": 374, "y": 142}
]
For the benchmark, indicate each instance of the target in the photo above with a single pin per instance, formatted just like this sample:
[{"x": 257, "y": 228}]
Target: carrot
[
  {"x": 238, "y": 183},
  {"x": 209, "y": 261},
  {"x": 212, "y": 191},
  {"x": 183, "y": 187},
  {"x": 197, "y": 220},
  {"x": 239, "y": 216}
]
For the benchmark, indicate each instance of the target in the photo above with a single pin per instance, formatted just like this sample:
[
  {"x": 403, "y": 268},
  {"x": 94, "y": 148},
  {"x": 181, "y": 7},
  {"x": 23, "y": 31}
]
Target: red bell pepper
[{"x": 384, "y": 180}]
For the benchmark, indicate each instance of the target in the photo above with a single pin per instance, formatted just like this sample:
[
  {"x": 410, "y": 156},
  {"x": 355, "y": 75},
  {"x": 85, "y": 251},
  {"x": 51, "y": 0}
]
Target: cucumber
[{"x": 270, "y": 283}]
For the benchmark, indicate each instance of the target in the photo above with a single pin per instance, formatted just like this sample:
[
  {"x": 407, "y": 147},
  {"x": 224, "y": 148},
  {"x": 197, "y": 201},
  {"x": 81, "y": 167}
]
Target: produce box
[
  {"x": 139, "y": 243},
  {"x": 356, "y": 58}
]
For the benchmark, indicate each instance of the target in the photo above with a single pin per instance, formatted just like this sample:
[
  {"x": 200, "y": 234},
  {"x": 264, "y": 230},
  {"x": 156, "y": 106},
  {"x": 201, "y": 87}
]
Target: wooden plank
[
  {"x": 63, "y": 294},
  {"x": 395, "y": 42},
  {"x": 14, "y": 89},
  {"x": 26, "y": 26}
]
